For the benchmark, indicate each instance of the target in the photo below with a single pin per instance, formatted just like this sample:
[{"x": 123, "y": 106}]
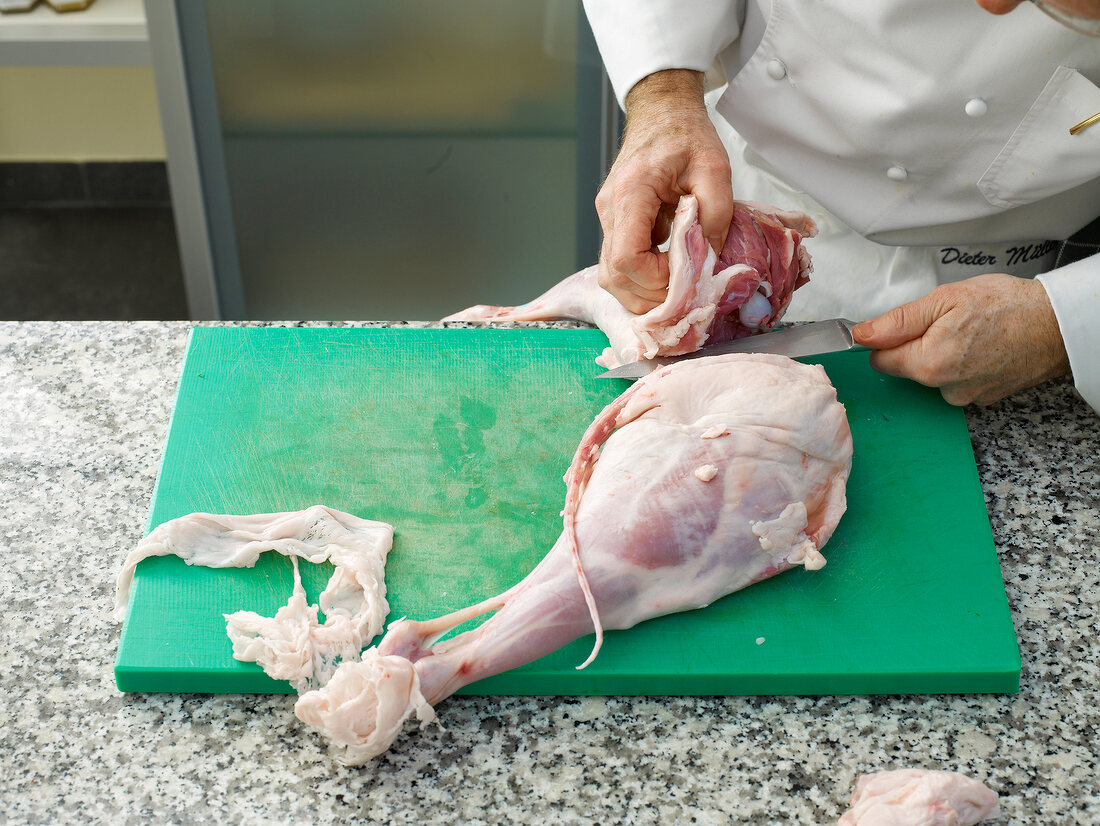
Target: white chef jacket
[{"x": 928, "y": 124}]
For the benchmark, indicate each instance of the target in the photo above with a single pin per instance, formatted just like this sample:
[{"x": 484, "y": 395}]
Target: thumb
[{"x": 899, "y": 325}]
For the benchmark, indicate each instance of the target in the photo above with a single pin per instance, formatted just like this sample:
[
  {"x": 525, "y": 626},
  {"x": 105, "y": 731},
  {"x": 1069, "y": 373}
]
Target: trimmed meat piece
[
  {"x": 293, "y": 645},
  {"x": 743, "y": 290},
  {"x": 919, "y": 797}
]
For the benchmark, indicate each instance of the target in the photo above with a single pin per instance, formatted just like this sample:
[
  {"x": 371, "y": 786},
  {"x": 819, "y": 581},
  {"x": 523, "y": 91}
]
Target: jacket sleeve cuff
[
  {"x": 1074, "y": 292},
  {"x": 639, "y": 37}
]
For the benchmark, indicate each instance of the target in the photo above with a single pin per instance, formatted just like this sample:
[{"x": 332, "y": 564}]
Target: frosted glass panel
[{"x": 397, "y": 160}]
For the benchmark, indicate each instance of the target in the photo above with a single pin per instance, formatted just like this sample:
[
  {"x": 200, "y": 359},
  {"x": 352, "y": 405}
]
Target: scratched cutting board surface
[{"x": 459, "y": 439}]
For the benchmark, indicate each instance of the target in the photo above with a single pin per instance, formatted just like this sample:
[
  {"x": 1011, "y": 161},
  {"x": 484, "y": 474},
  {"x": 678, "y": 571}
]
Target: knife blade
[{"x": 814, "y": 338}]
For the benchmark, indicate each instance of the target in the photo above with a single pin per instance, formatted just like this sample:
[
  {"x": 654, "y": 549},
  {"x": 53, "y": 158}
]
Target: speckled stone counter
[{"x": 84, "y": 412}]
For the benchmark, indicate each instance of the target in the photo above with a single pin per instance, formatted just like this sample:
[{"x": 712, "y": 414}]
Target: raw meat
[
  {"x": 365, "y": 705},
  {"x": 742, "y": 290},
  {"x": 643, "y": 535},
  {"x": 918, "y": 797},
  {"x": 293, "y": 645}
]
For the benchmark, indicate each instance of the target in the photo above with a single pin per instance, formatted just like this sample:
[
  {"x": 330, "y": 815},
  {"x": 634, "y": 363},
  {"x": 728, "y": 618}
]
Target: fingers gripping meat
[
  {"x": 744, "y": 289},
  {"x": 701, "y": 479}
]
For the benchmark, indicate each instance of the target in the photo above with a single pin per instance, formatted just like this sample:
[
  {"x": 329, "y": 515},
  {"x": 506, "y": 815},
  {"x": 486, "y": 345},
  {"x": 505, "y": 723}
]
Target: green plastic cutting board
[{"x": 459, "y": 439}]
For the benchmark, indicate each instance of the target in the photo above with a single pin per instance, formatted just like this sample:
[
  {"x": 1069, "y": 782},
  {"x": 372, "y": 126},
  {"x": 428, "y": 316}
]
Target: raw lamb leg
[
  {"x": 702, "y": 478},
  {"x": 742, "y": 290}
]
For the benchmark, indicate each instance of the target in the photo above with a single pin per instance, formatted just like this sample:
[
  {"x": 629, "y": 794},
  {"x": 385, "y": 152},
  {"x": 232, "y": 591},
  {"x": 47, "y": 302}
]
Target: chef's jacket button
[
  {"x": 897, "y": 173},
  {"x": 976, "y": 107},
  {"x": 775, "y": 69}
]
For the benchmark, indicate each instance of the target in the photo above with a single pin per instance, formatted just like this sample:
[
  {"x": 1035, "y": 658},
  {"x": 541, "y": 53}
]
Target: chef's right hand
[{"x": 670, "y": 148}]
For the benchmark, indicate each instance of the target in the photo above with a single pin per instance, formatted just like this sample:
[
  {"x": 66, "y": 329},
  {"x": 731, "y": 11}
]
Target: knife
[{"x": 832, "y": 336}]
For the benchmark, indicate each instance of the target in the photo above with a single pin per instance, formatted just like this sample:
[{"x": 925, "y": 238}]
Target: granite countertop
[{"x": 83, "y": 419}]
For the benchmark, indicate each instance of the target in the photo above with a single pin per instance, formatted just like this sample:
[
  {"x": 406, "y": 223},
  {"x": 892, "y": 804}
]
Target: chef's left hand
[{"x": 977, "y": 340}]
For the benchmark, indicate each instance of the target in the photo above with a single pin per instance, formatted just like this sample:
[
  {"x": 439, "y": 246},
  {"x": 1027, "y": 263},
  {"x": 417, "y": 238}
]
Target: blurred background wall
[{"x": 79, "y": 113}]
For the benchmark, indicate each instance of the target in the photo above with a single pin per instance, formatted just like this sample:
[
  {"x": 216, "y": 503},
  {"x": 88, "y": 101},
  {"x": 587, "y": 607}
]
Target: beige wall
[{"x": 81, "y": 113}]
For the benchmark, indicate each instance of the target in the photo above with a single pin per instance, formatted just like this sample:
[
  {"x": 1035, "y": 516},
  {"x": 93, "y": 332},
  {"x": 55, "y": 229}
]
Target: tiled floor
[{"x": 82, "y": 263}]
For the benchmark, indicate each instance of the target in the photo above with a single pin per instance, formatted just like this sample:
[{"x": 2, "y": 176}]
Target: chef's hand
[
  {"x": 670, "y": 148},
  {"x": 977, "y": 340}
]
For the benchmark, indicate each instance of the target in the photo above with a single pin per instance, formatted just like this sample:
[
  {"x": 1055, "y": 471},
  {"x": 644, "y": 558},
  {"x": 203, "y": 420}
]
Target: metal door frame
[{"x": 195, "y": 159}]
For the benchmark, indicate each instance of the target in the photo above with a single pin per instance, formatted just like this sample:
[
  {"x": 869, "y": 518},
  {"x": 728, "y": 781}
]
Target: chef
[{"x": 929, "y": 139}]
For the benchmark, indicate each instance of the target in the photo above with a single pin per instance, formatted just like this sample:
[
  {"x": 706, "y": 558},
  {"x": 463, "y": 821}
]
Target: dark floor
[
  {"x": 84, "y": 263},
  {"x": 85, "y": 241}
]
